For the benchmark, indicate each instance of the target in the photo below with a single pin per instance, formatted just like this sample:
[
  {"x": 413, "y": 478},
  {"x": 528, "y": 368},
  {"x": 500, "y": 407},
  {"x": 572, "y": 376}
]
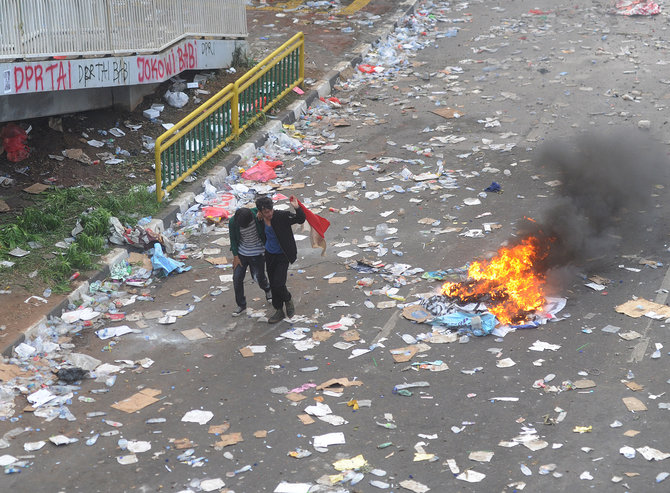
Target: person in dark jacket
[
  {"x": 247, "y": 245},
  {"x": 280, "y": 251}
]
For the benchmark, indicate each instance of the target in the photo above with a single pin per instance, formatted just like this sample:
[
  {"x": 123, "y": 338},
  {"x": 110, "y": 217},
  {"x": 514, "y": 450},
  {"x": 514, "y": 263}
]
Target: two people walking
[{"x": 259, "y": 236}]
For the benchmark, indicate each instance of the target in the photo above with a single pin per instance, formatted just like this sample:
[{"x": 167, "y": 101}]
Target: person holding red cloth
[{"x": 280, "y": 251}]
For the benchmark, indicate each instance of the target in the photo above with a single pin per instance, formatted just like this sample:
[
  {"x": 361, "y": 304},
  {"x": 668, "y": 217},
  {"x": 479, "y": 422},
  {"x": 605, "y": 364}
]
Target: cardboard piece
[
  {"x": 36, "y": 188},
  {"x": 295, "y": 397},
  {"x": 339, "y": 122},
  {"x": 135, "y": 402},
  {"x": 182, "y": 443},
  {"x": 634, "y": 386},
  {"x": 631, "y": 433},
  {"x": 180, "y": 292},
  {"x": 351, "y": 335},
  {"x": 584, "y": 384},
  {"x": 219, "y": 429},
  {"x": 634, "y": 404},
  {"x": 7, "y": 372},
  {"x": 345, "y": 382},
  {"x": 639, "y": 307},
  {"x": 293, "y": 186},
  {"x": 246, "y": 352},
  {"x": 416, "y": 313},
  {"x": 306, "y": 419},
  {"x": 135, "y": 258},
  {"x": 337, "y": 280},
  {"x": 217, "y": 260},
  {"x": 229, "y": 439},
  {"x": 321, "y": 335},
  {"x": 448, "y": 113},
  {"x": 194, "y": 334},
  {"x": 4, "y": 206},
  {"x": 260, "y": 433},
  {"x": 404, "y": 354}
]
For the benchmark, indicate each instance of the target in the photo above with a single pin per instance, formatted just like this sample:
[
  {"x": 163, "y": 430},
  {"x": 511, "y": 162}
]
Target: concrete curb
[{"x": 217, "y": 175}]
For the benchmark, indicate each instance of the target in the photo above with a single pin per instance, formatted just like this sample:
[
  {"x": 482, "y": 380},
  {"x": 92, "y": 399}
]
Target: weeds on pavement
[{"x": 51, "y": 221}]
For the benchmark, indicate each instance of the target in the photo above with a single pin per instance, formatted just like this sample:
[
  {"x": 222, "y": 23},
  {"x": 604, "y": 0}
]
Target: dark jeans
[
  {"x": 256, "y": 266},
  {"x": 277, "y": 265}
]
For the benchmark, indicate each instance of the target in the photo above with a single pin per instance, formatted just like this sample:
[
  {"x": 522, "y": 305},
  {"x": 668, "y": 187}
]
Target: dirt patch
[{"x": 49, "y": 137}]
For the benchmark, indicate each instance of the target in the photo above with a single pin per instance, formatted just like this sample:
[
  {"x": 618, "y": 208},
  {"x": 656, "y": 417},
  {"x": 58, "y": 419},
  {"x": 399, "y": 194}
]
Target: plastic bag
[
  {"x": 262, "y": 171},
  {"x": 215, "y": 214},
  {"x": 176, "y": 99}
]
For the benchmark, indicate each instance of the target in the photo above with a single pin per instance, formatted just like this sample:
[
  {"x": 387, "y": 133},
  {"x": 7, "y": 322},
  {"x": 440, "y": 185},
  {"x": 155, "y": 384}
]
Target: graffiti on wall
[{"x": 65, "y": 75}]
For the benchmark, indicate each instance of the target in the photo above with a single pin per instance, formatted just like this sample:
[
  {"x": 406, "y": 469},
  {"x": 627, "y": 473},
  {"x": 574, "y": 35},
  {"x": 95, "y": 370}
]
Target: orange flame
[{"x": 510, "y": 283}]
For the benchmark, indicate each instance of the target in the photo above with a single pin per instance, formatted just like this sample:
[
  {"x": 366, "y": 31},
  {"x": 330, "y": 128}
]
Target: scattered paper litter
[
  {"x": 652, "y": 453},
  {"x": 415, "y": 486},
  {"x": 212, "y": 484},
  {"x": 6, "y": 460},
  {"x": 109, "y": 332},
  {"x": 197, "y": 416},
  {"x": 128, "y": 459},
  {"x": 471, "y": 476},
  {"x": 541, "y": 346},
  {"x": 285, "y": 487},
  {"x": 505, "y": 363},
  {"x": 138, "y": 446},
  {"x": 481, "y": 456},
  {"x": 324, "y": 441}
]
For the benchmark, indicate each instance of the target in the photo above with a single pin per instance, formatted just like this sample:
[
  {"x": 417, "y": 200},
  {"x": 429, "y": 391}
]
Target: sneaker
[
  {"x": 239, "y": 311},
  {"x": 268, "y": 295},
  {"x": 277, "y": 317},
  {"x": 290, "y": 309}
]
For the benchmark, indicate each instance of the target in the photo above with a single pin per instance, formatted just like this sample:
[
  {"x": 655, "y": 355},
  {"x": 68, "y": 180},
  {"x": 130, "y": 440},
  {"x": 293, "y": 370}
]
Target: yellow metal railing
[{"x": 205, "y": 131}]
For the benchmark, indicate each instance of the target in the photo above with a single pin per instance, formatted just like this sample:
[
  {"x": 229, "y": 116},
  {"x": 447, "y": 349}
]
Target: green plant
[
  {"x": 95, "y": 222},
  {"x": 39, "y": 220},
  {"x": 93, "y": 244},
  {"x": 242, "y": 57},
  {"x": 14, "y": 235}
]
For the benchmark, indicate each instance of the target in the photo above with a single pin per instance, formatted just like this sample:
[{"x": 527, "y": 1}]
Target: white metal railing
[{"x": 49, "y": 28}]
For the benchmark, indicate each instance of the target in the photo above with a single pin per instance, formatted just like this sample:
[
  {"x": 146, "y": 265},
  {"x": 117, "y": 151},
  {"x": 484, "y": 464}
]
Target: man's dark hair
[
  {"x": 243, "y": 217},
  {"x": 264, "y": 203}
]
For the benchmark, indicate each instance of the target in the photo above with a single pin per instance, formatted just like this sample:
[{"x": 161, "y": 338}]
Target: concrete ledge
[
  {"x": 323, "y": 88},
  {"x": 218, "y": 176},
  {"x": 183, "y": 201},
  {"x": 245, "y": 151},
  {"x": 273, "y": 127},
  {"x": 298, "y": 108}
]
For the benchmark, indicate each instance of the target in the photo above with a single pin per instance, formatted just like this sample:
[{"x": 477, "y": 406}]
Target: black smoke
[{"x": 606, "y": 180}]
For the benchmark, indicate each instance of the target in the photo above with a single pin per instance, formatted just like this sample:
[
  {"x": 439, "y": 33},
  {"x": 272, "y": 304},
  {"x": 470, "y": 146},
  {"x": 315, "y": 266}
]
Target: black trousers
[
  {"x": 256, "y": 266},
  {"x": 277, "y": 267}
]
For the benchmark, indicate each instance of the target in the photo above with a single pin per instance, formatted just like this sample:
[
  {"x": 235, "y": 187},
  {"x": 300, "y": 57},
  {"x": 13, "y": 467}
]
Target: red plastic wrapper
[
  {"x": 262, "y": 171},
  {"x": 366, "y": 69},
  {"x": 14, "y": 141},
  {"x": 215, "y": 214}
]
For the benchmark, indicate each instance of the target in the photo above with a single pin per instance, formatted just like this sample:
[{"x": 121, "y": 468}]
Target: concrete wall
[{"x": 23, "y": 106}]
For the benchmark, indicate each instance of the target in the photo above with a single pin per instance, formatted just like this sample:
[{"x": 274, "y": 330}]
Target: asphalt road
[{"x": 544, "y": 77}]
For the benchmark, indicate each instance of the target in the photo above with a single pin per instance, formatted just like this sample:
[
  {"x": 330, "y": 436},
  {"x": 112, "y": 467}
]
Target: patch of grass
[
  {"x": 52, "y": 219},
  {"x": 39, "y": 220},
  {"x": 12, "y": 236}
]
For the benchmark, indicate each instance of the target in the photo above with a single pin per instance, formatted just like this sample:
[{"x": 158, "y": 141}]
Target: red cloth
[
  {"x": 318, "y": 223},
  {"x": 318, "y": 226}
]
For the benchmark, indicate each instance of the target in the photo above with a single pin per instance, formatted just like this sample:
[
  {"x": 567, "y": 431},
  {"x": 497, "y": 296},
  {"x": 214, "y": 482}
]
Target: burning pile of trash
[{"x": 506, "y": 291}]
